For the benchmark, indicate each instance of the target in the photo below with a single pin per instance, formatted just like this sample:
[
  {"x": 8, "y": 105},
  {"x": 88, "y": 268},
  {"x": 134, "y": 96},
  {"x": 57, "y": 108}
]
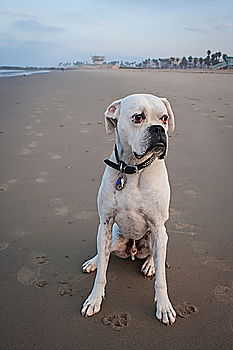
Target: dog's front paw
[
  {"x": 92, "y": 305},
  {"x": 165, "y": 312},
  {"x": 90, "y": 265}
]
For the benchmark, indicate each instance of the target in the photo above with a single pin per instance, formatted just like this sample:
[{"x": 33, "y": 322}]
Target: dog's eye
[
  {"x": 164, "y": 119},
  {"x": 138, "y": 118}
]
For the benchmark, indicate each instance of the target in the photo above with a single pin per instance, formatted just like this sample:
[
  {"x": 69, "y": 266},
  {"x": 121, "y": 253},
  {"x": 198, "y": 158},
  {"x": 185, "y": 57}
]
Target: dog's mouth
[
  {"x": 158, "y": 149},
  {"x": 139, "y": 156}
]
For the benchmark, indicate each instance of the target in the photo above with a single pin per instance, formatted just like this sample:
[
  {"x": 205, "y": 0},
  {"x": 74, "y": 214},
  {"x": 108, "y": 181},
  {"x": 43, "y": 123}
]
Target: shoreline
[{"x": 15, "y": 73}]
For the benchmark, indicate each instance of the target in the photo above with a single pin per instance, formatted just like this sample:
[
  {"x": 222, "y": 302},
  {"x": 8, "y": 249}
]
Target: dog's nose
[{"x": 156, "y": 129}]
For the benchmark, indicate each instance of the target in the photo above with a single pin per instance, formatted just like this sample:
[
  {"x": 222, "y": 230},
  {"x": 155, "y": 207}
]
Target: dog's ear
[
  {"x": 171, "y": 119},
  {"x": 112, "y": 114}
]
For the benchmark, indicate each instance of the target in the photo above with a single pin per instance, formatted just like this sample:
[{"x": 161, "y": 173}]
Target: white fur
[{"x": 138, "y": 212}]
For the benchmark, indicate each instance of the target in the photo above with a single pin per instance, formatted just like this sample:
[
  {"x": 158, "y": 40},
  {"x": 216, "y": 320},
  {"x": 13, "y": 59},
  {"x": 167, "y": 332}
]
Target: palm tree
[
  {"x": 201, "y": 61},
  {"x": 219, "y": 54},
  {"x": 195, "y": 61},
  {"x": 155, "y": 61},
  {"x": 224, "y": 57},
  {"x": 214, "y": 59},
  {"x": 208, "y": 53},
  {"x": 184, "y": 62},
  {"x": 207, "y": 61},
  {"x": 190, "y": 59},
  {"x": 172, "y": 60}
]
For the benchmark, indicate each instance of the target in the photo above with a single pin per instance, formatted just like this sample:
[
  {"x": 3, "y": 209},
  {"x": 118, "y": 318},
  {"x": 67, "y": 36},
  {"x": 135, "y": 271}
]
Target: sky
[{"x": 46, "y": 32}]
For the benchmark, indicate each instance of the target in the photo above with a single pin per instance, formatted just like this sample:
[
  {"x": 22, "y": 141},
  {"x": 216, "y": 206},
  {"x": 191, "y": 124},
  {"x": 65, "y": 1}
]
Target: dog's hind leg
[
  {"x": 90, "y": 265},
  {"x": 148, "y": 268},
  {"x": 118, "y": 247}
]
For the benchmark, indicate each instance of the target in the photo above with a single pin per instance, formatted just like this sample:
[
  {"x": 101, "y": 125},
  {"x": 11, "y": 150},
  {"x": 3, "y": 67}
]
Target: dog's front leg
[
  {"x": 104, "y": 238},
  {"x": 165, "y": 311}
]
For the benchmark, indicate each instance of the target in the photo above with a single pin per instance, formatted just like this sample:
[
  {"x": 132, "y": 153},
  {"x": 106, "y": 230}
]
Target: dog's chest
[{"x": 130, "y": 212}]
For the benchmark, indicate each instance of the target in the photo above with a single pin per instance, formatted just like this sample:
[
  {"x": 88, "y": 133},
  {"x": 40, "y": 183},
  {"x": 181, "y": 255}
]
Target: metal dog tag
[{"x": 121, "y": 181}]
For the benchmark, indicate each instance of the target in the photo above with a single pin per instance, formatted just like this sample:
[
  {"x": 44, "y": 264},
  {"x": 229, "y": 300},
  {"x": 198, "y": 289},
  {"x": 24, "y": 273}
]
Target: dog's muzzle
[{"x": 157, "y": 142}]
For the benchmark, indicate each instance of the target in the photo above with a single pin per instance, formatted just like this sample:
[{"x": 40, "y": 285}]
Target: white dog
[{"x": 133, "y": 199}]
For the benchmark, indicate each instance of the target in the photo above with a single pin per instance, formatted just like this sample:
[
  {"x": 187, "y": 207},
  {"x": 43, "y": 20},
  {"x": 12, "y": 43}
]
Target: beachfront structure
[
  {"x": 98, "y": 59},
  {"x": 227, "y": 63}
]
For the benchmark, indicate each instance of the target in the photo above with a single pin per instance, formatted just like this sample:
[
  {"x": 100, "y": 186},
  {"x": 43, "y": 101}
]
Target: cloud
[
  {"x": 221, "y": 24},
  {"x": 33, "y": 25},
  {"x": 11, "y": 12},
  {"x": 196, "y": 29},
  {"x": 219, "y": 28}
]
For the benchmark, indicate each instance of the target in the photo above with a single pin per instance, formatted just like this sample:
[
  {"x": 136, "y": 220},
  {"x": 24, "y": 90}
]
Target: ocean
[{"x": 16, "y": 72}]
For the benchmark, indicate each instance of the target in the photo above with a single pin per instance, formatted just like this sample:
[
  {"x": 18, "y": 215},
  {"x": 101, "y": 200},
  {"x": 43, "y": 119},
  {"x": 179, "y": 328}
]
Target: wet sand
[{"x": 52, "y": 148}]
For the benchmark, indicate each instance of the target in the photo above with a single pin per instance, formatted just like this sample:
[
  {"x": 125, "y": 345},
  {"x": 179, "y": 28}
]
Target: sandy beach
[{"x": 53, "y": 143}]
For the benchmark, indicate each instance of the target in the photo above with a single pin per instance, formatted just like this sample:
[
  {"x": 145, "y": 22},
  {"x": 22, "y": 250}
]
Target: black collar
[{"x": 128, "y": 169}]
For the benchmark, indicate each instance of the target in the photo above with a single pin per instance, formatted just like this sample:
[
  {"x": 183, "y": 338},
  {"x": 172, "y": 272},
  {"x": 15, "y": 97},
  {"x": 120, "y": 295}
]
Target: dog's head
[{"x": 143, "y": 122}]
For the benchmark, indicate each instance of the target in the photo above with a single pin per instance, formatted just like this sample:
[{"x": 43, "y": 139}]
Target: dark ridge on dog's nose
[{"x": 156, "y": 129}]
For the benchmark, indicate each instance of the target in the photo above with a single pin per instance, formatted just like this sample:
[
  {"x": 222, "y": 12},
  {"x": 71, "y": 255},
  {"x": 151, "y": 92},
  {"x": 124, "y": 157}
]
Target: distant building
[
  {"x": 98, "y": 59},
  {"x": 227, "y": 63}
]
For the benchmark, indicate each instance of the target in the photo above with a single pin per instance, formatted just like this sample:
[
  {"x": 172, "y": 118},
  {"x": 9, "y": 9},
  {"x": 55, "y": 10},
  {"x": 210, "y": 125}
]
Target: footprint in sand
[
  {"x": 27, "y": 276},
  {"x": 19, "y": 234},
  {"x": 11, "y": 181},
  {"x": 28, "y": 127},
  {"x": 67, "y": 117},
  {"x": 42, "y": 178},
  {"x": 84, "y": 131},
  {"x": 4, "y": 245},
  {"x": 185, "y": 228},
  {"x": 117, "y": 321},
  {"x": 40, "y": 134},
  {"x": 186, "y": 310},
  {"x": 59, "y": 207},
  {"x": 6, "y": 185},
  {"x": 30, "y": 133},
  {"x": 224, "y": 293},
  {"x": 199, "y": 246},
  {"x": 191, "y": 193},
  {"x": 15, "y": 236},
  {"x": 33, "y": 116},
  {"x": 111, "y": 139},
  {"x": 33, "y": 144},
  {"x": 38, "y": 121},
  {"x": 180, "y": 225},
  {"x": 85, "y": 123},
  {"x": 25, "y": 151},
  {"x": 54, "y": 155},
  {"x": 86, "y": 215},
  {"x": 65, "y": 289},
  {"x": 32, "y": 276},
  {"x": 216, "y": 264},
  {"x": 40, "y": 283},
  {"x": 41, "y": 259}
]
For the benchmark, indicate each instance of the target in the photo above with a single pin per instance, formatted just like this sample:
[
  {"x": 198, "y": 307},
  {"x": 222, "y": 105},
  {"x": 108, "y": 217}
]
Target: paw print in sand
[
  {"x": 186, "y": 310},
  {"x": 65, "y": 289},
  {"x": 41, "y": 259},
  {"x": 117, "y": 321}
]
